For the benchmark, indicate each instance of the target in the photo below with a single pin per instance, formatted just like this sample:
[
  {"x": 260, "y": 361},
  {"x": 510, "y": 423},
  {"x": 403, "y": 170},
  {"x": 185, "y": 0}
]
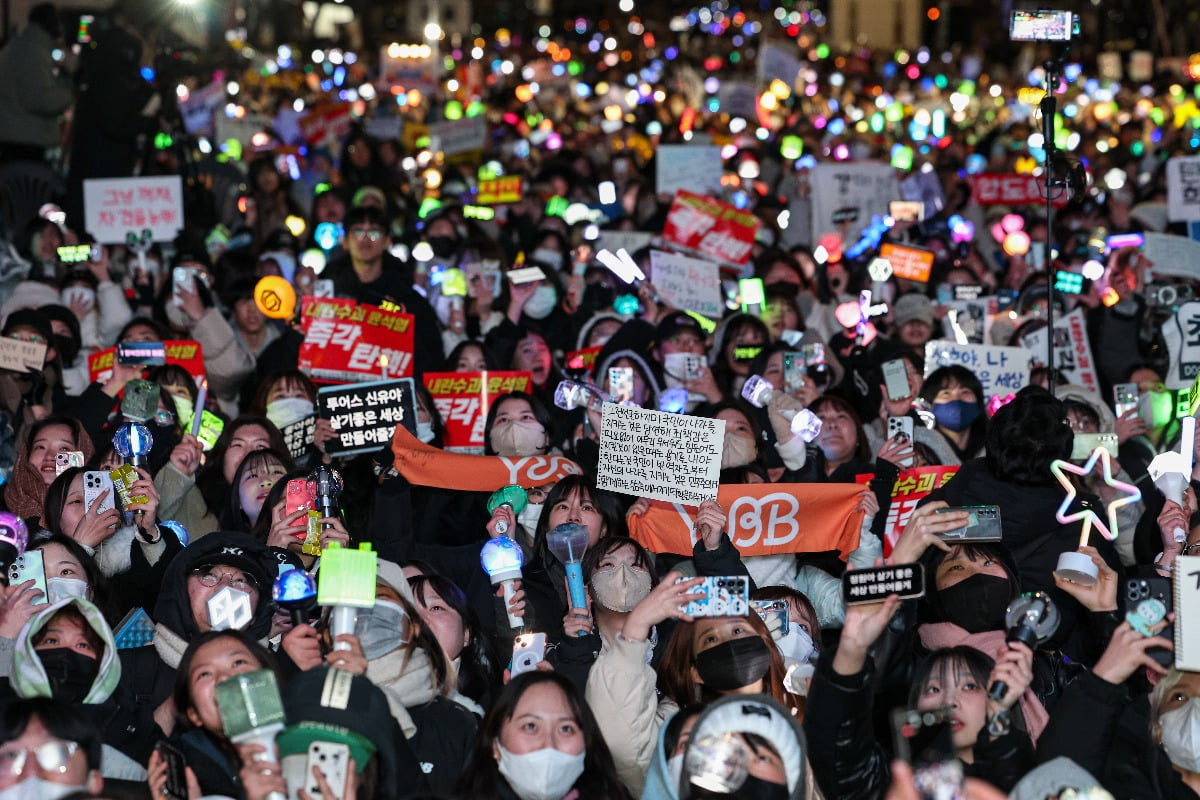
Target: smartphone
[
  {"x": 528, "y": 650},
  {"x": 874, "y": 584},
  {"x": 296, "y": 497},
  {"x": 984, "y": 525},
  {"x": 620, "y": 384},
  {"x": 1125, "y": 398},
  {"x": 172, "y": 756},
  {"x": 773, "y": 609},
  {"x": 182, "y": 278},
  {"x": 1042, "y": 26},
  {"x": 141, "y": 354},
  {"x": 906, "y": 210},
  {"x": 925, "y": 739},
  {"x": 123, "y": 478},
  {"x": 1086, "y": 443},
  {"x": 65, "y": 461},
  {"x": 323, "y": 287},
  {"x": 93, "y": 484},
  {"x": 901, "y": 428},
  {"x": 140, "y": 401},
  {"x": 83, "y": 35},
  {"x": 1036, "y": 257},
  {"x": 895, "y": 380},
  {"x": 29, "y": 566},
  {"x": 794, "y": 371},
  {"x": 333, "y": 760},
  {"x": 525, "y": 275},
  {"x": 78, "y": 253},
  {"x": 1153, "y": 588},
  {"x": 724, "y": 596}
]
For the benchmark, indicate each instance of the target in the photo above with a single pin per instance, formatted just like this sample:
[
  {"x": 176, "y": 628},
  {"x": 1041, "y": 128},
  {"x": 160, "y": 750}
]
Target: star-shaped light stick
[
  {"x": 1172, "y": 471},
  {"x": 1075, "y": 566}
]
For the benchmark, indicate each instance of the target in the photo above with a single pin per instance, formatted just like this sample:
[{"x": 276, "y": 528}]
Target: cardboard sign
[
  {"x": 364, "y": 415},
  {"x": 20, "y": 356},
  {"x": 115, "y": 206},
  {"x": 299, "y": 435},
  {"x": 864, "y": 187},
  {"x": 662, "y": 456},
  {"x": 1182, "y": 336},
  {"x": 464, "y": 398},
  {"x": 696, "y": 168},
  {"x": 464, "y": 135},
  {"x": 184, "y": 352},
  {"x": 498, "y": 191},
  {"x": 910, "y": 263},
  {"x": 1183, "y": 188},
  {"x": 347, "y": 342},
  {"x": 990, "y": 189},
  {"x": 1072, "y": 350},
  {"x": 711, "y": 227},
  {"x": 1001, "y": 370},
  {"x": 763, "y": 519},
  {"x": 326, "y": 125},
  {"x": 910, "y": 488},
  {"x": 690, "y": 284},
  {"x": 1172, "y": 255}
]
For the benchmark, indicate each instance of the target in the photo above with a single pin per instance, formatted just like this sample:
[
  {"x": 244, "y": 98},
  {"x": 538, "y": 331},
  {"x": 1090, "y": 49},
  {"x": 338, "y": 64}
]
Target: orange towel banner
[
  {"x": 426, "y": 465},
  {"x": 763, "y": 519}
]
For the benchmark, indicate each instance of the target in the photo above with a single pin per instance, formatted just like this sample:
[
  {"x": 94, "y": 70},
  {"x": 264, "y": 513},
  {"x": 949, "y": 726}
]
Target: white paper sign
[
  {"x": 197, "y": 111},
  {"x": 1072, "y": 351},
  {"x": 692, "y": 284},
  {"x": 458, "y": 136},
  {"x": 629, "y": 241},
  {"x": 1172, "y": 255},
  {"x": 696, "y": 168},
  {"x": 1001, "y": 370},
  {"x": 1182, "y": 336},
  {"x": 971, "y": 316},
  {"x": 1183, "y": 188},
  {"x": 243, "y": 129},
  {"x": 112, "y": 207},
  {"x": 671, "y": 457},
  {"x": 778, "y": 62},
  {"x": 842, "y": 188}
]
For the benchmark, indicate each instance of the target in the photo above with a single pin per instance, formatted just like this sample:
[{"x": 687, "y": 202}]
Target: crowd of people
[{"x": 166, "y": 640}]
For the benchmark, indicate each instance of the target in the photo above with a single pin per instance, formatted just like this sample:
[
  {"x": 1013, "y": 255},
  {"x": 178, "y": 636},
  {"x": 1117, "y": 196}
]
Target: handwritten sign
[
  {"x": 1181, "y": 334},
  {"x": 1183, "y": 188},
  {"x": 1001, "y": 370},
  {"x": 910, "y": 263},
  {"x": 458, "y": 136},
  {"x": 711, "y": 228},
  {"x": 662, "y": 456},
  {"x": 20, "y": 356},
  {"x": 299, "y": 435},
  {"x": 183, "y": 352},
  {"x": 696, "y": 168},
  {"x": 198, "y": 110},
  {"x": 845, "y": 195},
  {"x": 692, "y": 284},
  {"x": 115, "y": 206},
  {"x": 463, "y": 400},
  {"x": 1172, "y": 255},
  {"x": 365, "y": 415},
  {"x": 910, "y": 488},
  {"x": 348, "y": 342},
  {"x": 1072, "y": 351},
  {"x": 497, "y": 191}
]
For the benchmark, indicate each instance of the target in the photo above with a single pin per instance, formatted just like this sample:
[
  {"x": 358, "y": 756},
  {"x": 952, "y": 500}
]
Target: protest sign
[
  {"x": 690, "y": 284},
  {"x": 497, "y": 191},
  {"x": 762, "y": 519},
  {"x": 348, "y": 342},
  {"x": 183, "y": 352},
  {"x": 910, "y": 263},
  {"x": 458, "y": 136},
  {"x": 696, "y": 168},
  {"x": 910, "y": 488},
  {"x": 365, "y": 415},
  {"x": 925, "y": 188},
  {"x": 846, "y": 194},
  {"x": 738, "y": 99},
  {"x": 779, "y": 62},
  {"x": 384, "y": 127},
  {"x": 200, "y": 106},
  {"x": 241, "y": 129},
  {"x": 326, "y": 125},
  {"x": 1172, "y": 255},
  {"x": 1001, "y": 370},
  {"x": 991, "y": 188},
  {"x": 659, "y": 455},
  {"x": 1183, "y": 188},
  {"x": 20, "y": 356},
  {"x": 407, "y": 67},
  {"x": 711, "y": 227},
  {"x": 584, "y": 359},
  {"x": 425, "y": 465},
  {"x": 463, "y": 400},
  {"x": 1181, "y": 334},
  {"x": 1072, "y": 351},
  {"x": 299, "y": 435},
  {"x": 629, "y": 241},
  {"x": 115, "y": 206}
]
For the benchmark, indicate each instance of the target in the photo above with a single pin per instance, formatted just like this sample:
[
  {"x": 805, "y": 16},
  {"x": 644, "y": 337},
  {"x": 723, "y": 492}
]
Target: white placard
[
  {"x": 243, "y": 129},
  {"x": 1181, "y": 334},
  {"x": 779, "y": 62},
  {"x": 112, "y": 207},
  {"x": 1183, "y": 188},
  {"x": 458, "y": 136},
  {"x": 198, "y": 110},
  {"x": 696, "y": 168},
  {"x": 1001, "y": 370},
  {"x": 385, "y": 128},
  {"x": 629, "y": 241},
  {"x": 1072, "y": 351},
  {"x": 671, "y": 457},
  {"x": 1172, "y": 255},
  {"x": 692, "y": 284},
  {"x": 1187, "y": 612},
  {"x": 864, "y": 187},
  {"x": 973, "y": 317}
]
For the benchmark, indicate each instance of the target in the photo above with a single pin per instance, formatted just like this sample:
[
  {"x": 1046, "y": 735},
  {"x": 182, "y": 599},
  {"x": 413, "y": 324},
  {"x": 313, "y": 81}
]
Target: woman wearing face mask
[
  {"x": 957, "y": 399},
  {"x": 540, "y": 741},
  {"x": 801, "y": 645},
  {"x": 517, "y": 425},
  {"x": 70, "y": 572},
  {"x": 739, "y": 339}
]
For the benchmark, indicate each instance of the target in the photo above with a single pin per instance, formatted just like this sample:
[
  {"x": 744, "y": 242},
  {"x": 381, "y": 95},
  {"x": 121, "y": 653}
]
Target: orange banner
[
  {"x": 426, "y": 465},
  {"x": 763, "y": 519}
]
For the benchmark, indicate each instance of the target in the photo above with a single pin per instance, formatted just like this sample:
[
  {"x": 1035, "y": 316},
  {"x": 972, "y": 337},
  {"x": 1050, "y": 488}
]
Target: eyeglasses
[
  {"x": 373, "y": 235},
  {"x": 52, "y": 756},
  {"x": 246, "y": 583}
]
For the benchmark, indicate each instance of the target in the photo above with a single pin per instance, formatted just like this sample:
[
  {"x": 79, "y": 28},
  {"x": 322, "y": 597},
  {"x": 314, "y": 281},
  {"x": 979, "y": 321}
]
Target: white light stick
[{"x": 1172, "y": 471}]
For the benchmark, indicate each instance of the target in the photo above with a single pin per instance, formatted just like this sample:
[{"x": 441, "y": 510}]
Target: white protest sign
[
  {"x": 458, "y": 136},
  {"x": 696, "y": 168},
  {"x": 671, "y": 457},
  {"x": 851, "y": 193},
  {"x": 1001, "y": 370},
  {"x": 692, "y": 284},
  {"x": 243, "y": 129},
  {"x": 112, "y": 207},
  {"x": 1183, "y": 188},
  {"x": 1072, "y": 351},
  {"x": 1181, "y": 334},
  {"x": 926, "y": 188},
  {"x": 1172, "y": 255},
  {"x": 739, "y": 99},
  {"x": 197, "y": 111},
  {"x": 629, "y": 241},
  {"x": 779, "y": 62}
]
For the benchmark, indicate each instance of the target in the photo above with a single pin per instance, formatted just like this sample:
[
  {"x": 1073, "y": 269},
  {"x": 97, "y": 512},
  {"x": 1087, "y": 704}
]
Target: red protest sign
[
  {"x": 463, "y": 400},
  {"x": 184, "y": 352},
  {"x": 910, "y": 263},
  {"x": 583, "y": 359},
  {"x": 326, "y": 124},
  {"x": 347, "y": 342},
  {"x": 991, "y": 189},
  {"x": 497, "y": 191},
  {"x": 710, "y": 227},
  {"x": 910, "y": 488}
]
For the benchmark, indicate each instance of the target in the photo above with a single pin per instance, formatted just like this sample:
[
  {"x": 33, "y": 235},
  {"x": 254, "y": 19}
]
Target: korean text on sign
[
  {"x": 346, "y": 342},
  {"x": 182, "y": 352},
  {"x": 463, "y": 400},
  {"x": 911, "y": 487},
  {"x": 113, "y": 207},
  {"x": 1001, "y": 370},
  {"x": 365, "y": 415}
]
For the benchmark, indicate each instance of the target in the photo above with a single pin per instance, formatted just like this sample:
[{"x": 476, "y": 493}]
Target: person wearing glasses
[{"x": 49, "y": 751}]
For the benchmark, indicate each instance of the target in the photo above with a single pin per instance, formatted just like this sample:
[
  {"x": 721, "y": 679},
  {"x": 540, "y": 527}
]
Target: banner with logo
[
  {"x": 911, "y": 487},
  {"x": 463, "y": 400},
  {"x": 184, "y": 352},
  {"x": 426, "y": 465},
  {"x": 348, "y": 342},
  {"x": 763, "y": 519},
  {"x": 711, "y": 228}
]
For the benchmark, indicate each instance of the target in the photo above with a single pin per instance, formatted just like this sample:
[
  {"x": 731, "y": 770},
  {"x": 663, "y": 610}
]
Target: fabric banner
[
  {"x": 763, "y": 519},
  {"x": 911, "y": 487},
  {"x": 426, "y": 465},
  {"x": 347, "y": 342},
  {"x": 711, "y": 227}
]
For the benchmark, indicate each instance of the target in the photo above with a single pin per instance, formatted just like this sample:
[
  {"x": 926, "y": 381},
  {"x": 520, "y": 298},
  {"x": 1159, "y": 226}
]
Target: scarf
[
  {"x": 169, "y": 645},
  {"x": 25, "y": 495},
  {"x": 426, "y": 465},
  {"x": 408, "y": 683},
  {"x": 937, "y": 635}
]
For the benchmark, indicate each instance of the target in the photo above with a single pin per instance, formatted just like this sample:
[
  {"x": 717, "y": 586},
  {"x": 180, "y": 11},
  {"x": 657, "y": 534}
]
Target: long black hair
[{"x": 478, "y": 673}]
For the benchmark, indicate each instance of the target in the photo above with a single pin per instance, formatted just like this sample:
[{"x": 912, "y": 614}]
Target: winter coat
[{"x": 32, "y": 95}]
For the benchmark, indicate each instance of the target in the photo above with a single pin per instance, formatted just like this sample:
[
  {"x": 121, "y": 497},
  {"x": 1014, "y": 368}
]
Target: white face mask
[
  {"x": 737, "y": 451},
  {"x": 541, "y": 775},
  {"x": 542, "y": 302},
  {"x": 796, "y": 644},
  {"x": 38, "y": 789},
  {"x": 518, "y": 439},
  {"x": 1181, "y": 735},
  {"x": 547, "y": 256},
  {"x": 529, "y": 517},
  {"x": 288, "y": 410},
  {"x": 62, "y": 588},
  {"x": 425, "y": 431}
]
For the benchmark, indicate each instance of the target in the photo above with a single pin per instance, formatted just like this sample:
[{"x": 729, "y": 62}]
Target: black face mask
[
  {"x": 443, "y": 246},
  {"x": 978, "y": 603},
  {"x": 734, "y": 664},
  {"x": 71, "y": 674},
  {"x": 597, "y": 296}
]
